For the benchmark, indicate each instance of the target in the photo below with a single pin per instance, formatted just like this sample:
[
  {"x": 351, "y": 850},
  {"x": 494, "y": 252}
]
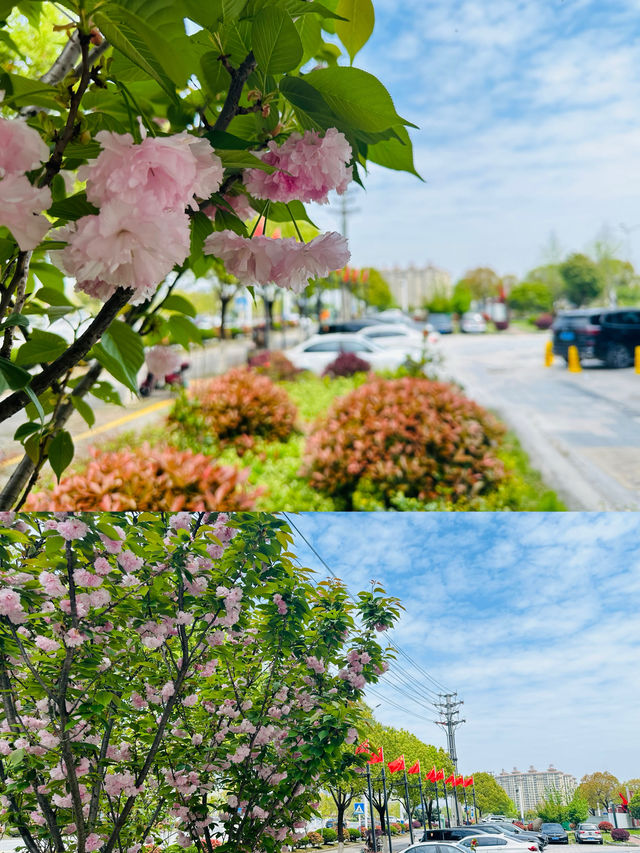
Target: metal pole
[
  {"x": 422, "y": 803},
  {"x": 406, "y": 794},
  {"x": 437, "y": 803},
  {"x": 466, "y": 811},
  {"x": 455, "y": 800},
  {"x": 386, "y": 806},
  {"x": 615, "y": 817},
  {"x": 475, "y": 808},
  {"x": 446, "y": 802},
  {"x": 371, "y": 812}
]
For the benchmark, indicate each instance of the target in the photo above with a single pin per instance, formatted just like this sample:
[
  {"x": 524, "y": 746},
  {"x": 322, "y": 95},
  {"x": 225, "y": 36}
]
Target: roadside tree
[
  {"x": 529, "y": 296},
  {"x": 583, "y": 279},
  {"x": 598, "y": 788},
  {"x": 491, "y": 798},
  {"x": 577, "y": 808},
  {"x": 172, "y": 680},
  {"x": 137, "y": 146},
  {"x": 553, "y": 808}
]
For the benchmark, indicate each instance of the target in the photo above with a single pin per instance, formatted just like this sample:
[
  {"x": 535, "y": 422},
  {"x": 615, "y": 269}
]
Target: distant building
[
  {"x": 533, "y": 784},
  {"x": 413, "y": 286}
]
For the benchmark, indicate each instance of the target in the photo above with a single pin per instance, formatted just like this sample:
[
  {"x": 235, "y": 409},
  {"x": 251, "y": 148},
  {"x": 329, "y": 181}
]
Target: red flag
[
  {"x": 625, "y": 801},
  {"x": 440, "y": 776},
  {"x": 450, "y": 780},
  {"x": 432, "y": 774},
  {"x": 376, "y": 757},
  {"x": 467, "y": 782},
  {"x": 458, "y": 780},
  {"x": 363, "y": 747},
  {"x": 396, "y": 764},
  {"x": 415, "y": 768}
]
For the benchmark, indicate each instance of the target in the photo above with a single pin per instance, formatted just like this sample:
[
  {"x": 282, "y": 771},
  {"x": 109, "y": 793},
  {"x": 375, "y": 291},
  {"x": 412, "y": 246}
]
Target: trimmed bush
[
  {"x": 544, "y": 321},
  {"x": 314, "y": 838},
  {"x": 619, "y": 834},
  {"x": 605, "y": 826},
  {"x": 329, "y": 834},
  {"x": 148, "y": 478},
  {"x": 275, "y": 365},
  {"x": 354, "y": 834},
  {"x": 414, "y": 437},
  {"x": 346, "y": 364},
  {"x": 236, "y": 407}
]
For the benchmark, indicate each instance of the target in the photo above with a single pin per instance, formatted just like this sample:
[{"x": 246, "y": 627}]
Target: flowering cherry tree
[
  {"x": 172, "y": 679},
  {"x": 161, "y": 141}
]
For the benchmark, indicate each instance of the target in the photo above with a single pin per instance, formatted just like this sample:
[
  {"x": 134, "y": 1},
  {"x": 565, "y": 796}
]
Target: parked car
[
  {"x": 340, "y": 326},
  {"x": 434, "y": 847},
  {"x": 442, "y": 323},
  {"x": 398, "y": 335},
  {"x": 454, "y": 833},
  {"x": 555, "y": 832},
  {"x": 473, "y": 323},
  {"x": 320, "y": 350},
  {"x": 496, "y": 844},
  {"x": 514, "y": 832},
  {"x": 587, "y": 832},
  {"x": 608, "y": 334}
]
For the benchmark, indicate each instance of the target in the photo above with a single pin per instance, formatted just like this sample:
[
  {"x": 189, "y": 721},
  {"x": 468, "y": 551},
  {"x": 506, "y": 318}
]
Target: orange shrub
[
  {"x": 275, "y": 365},
  {"x": 237, "y": 407},
  {"x": 413, "y": 436},
  {"x": 148, "y": 478}
]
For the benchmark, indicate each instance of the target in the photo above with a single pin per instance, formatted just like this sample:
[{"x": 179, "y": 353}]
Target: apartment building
[{"x": 529, "y": 787}]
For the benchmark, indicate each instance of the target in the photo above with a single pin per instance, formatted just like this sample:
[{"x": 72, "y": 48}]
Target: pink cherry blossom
[
  {"x": 73, "y": 638},
  {"x": 102, "y": 566},
  {"x": 52, "y": 584},
  {"x": 84, "y": 578},
  {"x": 11, "y": 606},
  {"x": 239, "y": 203},
  {"x": 21, "y": 206},
  {"x": 122, "y": 247},
  {"x": 285, "y": 262},
  {"x": 93, "y": 842},
  {"x": 162, "y": 173},
  {"x": 46, "y": 644},
  {"x": 21, "y": 147},
  {"x": 129, "y": 562},
  {"x": 307, "y": 168},
  {"x": 280, "y": 604},
  {"x": 162, "y": 360},
  {"x": 72, "y": 528}
]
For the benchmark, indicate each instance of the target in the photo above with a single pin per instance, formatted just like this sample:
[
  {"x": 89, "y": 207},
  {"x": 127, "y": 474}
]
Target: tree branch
[{"x": 239, "y": 77}]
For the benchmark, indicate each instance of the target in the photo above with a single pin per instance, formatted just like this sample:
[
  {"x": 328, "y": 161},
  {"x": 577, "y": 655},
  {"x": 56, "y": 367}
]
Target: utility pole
[
  {"x": 448, "y": 707},
  {"x": 345, "y": 210}
]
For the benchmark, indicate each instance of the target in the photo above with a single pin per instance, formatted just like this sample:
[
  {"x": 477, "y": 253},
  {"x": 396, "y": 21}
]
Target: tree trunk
[{"x": 224, "y": 304}]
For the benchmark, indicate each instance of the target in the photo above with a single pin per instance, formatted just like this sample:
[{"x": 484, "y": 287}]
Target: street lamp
[{"x": 268, "y": 293}]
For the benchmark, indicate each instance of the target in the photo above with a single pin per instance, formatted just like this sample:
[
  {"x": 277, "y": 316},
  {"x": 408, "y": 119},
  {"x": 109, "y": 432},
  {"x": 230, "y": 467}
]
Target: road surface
[{"x": 581, "y": 430}]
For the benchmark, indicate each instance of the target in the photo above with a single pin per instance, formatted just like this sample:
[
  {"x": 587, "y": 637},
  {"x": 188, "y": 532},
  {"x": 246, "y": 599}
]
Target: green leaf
[
  {"x": 47, "y": 274},
  {"x": 6, "y": 38},
  {"x": 354, "y": 33},
  {"x": 72, "y": 207},
  {"x": 120, "y": 351},
  {"x": 228, "y": 142},
  {"x": 41, "y": 347},
  {"x": 23, "y": 92},
  {"x": 395, "y": 153},
  {"x": 138, "y": 41},
  {"x": 60, "y": 452},
  {"x": 310, "y": 32},
  {"x": 183, "y": 331},
  {"x": 236, "y": 159},
  {"x": 14, "y": 377},
  {"x": 52, "y": 296},
  {"x": 311, "y": 107},
  {"x": 358, "y": 98},
  {"x": 84, "y": 410},
  {"x": 276, "y": 43},
  {"x": 175, "y": 302},
  {"x": 15, "y": 320},
  {"x": 26, "y": 429}
]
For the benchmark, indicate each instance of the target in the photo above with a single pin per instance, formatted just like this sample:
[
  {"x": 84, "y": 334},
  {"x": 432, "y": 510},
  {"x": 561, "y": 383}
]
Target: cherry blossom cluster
[
  {"x": 307, "y": 168},
  {"x": 21, "y": 203},
  {"x": 142, "y": 228},
  {"x": 284, "y": 261}
]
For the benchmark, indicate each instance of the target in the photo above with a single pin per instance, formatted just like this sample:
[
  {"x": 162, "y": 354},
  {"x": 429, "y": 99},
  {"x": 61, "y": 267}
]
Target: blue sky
[
  {"x": 532, "y": 618},
  {"x": 529, "y": 124}
]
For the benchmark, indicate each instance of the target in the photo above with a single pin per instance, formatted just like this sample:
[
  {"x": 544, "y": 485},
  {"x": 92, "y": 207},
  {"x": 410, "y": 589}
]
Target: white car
[
  {"x": 496, "y": 844},
  {"x": 318, "y": 351},
  {"x": 396, "y": 335},
  {"x": 473, "y": 323}
]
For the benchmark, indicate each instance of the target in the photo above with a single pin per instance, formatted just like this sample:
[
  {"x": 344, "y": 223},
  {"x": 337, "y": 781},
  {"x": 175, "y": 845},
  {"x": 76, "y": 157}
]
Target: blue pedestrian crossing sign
[{"x": 358, "y": 808}]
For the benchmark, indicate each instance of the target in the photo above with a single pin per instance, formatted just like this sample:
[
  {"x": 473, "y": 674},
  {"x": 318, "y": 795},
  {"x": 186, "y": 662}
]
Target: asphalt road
[{"x": 581, "y": 430}]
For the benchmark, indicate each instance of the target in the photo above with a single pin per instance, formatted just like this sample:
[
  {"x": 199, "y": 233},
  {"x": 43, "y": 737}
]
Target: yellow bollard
[
  {"x": 637, "y": 359},
  {"x": 574, "y": 360},
  {"x": 548, "y": 354}
]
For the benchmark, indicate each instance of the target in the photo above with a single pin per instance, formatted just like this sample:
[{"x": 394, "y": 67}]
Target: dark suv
[
  {"x": 452, "y": 833},
  {"x": 608, "y": 334}
]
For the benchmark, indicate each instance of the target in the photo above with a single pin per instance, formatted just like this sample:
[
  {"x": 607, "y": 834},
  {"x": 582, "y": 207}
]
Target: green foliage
[
  {"x": 577, "y": 809},
  {"x": 329, "y": 834},
  {"x": 441, "y": 302},
  {"x": 375, "y": 290},
  {"x": 461, "y": 297},
  {"x": 148, "y": 478},
  {"x": 236, "y": 408},
  {"x": 491, "y": 798},
  {"x": 583, "y": 280},
  {"x": 598, "y": 787},
  {"x": 530, "y": 296},
  {"x": 411, "y": 436},
  {"x": 553, "y": 808},
  {"x": 482, "y": 283},
  {"x": 634, "y": 805}
]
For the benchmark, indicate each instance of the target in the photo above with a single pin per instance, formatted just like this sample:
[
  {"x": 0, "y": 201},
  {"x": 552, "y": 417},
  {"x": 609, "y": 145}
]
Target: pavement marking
[{"x": 131, "y": 416}]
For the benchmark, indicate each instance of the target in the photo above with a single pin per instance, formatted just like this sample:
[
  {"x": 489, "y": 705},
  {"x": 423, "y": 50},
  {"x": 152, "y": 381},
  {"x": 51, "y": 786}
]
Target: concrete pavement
[{"x": 581, "y": 430}]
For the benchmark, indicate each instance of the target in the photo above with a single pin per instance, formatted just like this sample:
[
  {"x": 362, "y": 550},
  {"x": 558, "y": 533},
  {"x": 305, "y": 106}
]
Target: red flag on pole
[
  {"x": 458, "y": 780},
  {"x": 467, "y": 782},
  {"x": 363, "y": 747},
  {"x": 415, "y": 768},
  {"x": 376, "y": 757},
  {"x": 432, "y": 774},
  {"x": 450, "y": 780},
  {"x": 625, "y": 801},
  {"x": 396, "y": 764},
  {"x": 440, "y": 776}
]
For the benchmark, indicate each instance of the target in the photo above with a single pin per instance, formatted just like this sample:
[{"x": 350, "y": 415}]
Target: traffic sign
[{"x": 358, "y": 808}]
